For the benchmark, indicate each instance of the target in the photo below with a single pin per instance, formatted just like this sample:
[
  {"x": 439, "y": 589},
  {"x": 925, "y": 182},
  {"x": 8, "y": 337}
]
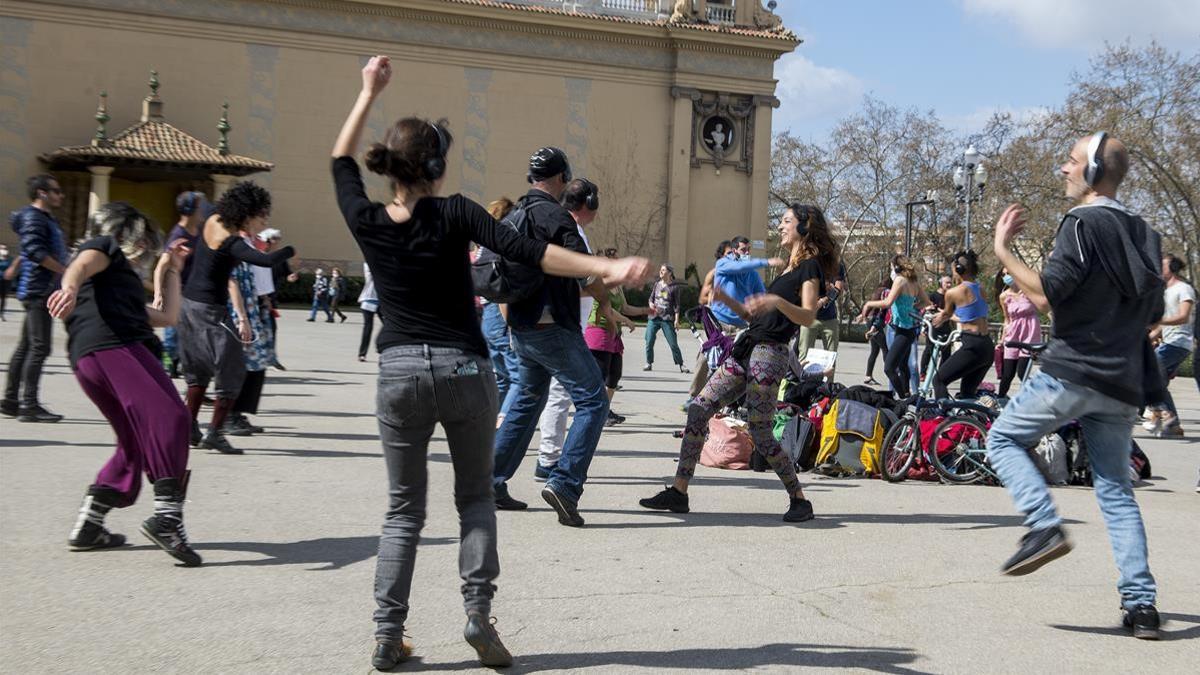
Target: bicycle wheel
[
  {"x": 958, "y": 449},
  {"x": 899, "y": 450}
]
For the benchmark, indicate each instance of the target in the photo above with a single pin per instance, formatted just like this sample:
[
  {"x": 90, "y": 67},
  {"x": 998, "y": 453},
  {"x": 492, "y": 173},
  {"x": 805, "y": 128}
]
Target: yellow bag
[{"x": 855, "y": 420}]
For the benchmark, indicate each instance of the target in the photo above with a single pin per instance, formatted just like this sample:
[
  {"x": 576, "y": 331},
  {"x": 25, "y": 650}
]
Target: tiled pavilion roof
[{"x": 156, "y": 142}]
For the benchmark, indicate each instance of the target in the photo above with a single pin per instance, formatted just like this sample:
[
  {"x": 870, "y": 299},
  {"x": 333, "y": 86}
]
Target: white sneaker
[
  {"x": 647, "y": 367},
  {"x": 1153, "y": 424}
]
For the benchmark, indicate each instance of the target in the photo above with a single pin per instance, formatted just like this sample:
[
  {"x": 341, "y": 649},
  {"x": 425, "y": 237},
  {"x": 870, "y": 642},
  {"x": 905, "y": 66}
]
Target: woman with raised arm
[
  {"x": 210, "y": 344},
  {"x": 759, "y": 360},
  {"x": 433, "y": 361},
  {"x": 116, "y": 358},
  {"x": 904, "y": 300},
  {"x": 966, "y": 305}
]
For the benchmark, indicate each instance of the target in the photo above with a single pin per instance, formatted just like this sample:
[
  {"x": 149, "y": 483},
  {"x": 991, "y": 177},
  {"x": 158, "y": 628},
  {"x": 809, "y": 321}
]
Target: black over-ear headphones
[
  {"x": 435, "y": 167},
  {"x": 187, "y": 204},
  {"x": 802, "y": 214},
  {"x": 1094, "y": 171},
  {"x": 592, "y": 201},
  {"x": 962, "y": 260}
]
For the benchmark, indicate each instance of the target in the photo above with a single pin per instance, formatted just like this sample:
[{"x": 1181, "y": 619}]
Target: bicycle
[{"x": 902, "y": 444}]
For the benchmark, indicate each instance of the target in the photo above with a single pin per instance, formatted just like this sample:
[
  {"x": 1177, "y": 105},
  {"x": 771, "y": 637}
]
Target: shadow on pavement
[
  {"x": 1168, "y": 633},
  {"x": 330, "y": 553},
  {"x": 317, "y": 413},
  {"x": 38, "y": 442},
  {"x": 875, "y": 659},
  {"x": 292, "y": 379},
  {"x": 823, "y": 521},
  {"x": 310, "y": 453}
]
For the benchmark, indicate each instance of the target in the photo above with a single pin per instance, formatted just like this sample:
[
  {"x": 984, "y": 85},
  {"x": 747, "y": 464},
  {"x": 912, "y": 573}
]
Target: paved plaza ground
[{"x": 888, "y": 578}]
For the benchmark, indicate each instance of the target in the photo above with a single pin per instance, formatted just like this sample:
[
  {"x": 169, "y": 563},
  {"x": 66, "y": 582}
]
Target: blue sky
[{"x": 963, "y": 58}]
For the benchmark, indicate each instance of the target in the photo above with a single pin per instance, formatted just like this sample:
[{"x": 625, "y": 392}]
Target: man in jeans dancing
[
  {"x": 1103, "y": 285},
  {"x": 546, "y": 336}
]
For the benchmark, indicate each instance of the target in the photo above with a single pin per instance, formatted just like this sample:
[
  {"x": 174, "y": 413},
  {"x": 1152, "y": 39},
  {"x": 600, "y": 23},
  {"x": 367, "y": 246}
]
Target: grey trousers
[
  {"x": 419, "y": 387},
  {"x": 553, "y": 424}
]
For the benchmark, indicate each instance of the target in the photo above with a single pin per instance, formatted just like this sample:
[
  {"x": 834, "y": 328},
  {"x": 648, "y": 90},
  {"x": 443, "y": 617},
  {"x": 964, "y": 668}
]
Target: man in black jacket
[
  {"x": 1103, "y": 285},
  {"x": 545, "y": 335},
  {"x": 43, "y": 258}
]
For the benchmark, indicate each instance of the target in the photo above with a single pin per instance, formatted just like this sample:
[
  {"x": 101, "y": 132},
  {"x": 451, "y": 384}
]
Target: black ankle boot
[
  {"x": 165, "y": 527},
  {"x": 89, "y": 533}
]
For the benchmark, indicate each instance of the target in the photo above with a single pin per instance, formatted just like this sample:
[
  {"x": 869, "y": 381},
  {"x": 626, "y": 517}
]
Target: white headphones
[{"x": 1095, "y": 166}]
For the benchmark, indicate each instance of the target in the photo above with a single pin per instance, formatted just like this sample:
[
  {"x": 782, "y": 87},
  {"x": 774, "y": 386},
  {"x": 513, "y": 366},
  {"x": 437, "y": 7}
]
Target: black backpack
[{"x": 504, "y": 281}]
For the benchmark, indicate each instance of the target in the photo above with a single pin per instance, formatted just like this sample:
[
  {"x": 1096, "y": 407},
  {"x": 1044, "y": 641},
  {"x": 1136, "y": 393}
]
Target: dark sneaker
[
  {"x": 169, "y": 535},
  {"x": 684, "y": 369},
  {"x": 92, "y": 537},
  {"x": 215, "y": 440},
  {"x": 89, "y": 533},
  {"x": 239, "y": 425},
  {"x": 613, "y": 419},
  {"x": 648, "y": 367},
  {"x": 507, "y": 503},
  {"x": 37, "y": 414},
  {"x": 278, "y": 366},
  {"x": 669, "y": 499},
  {"x": 1038, "y": 547},
  {"x": 165, "y": 527},
  {"x": 567, "y": 513},
  {"x": 481, "y": 634},
  {"x": 196, "y": 435},
  {"x": 541, "y": 473},
  {"x": 9, "y": 408},
  {"x": 1143, "y": 620},
  {"x": 390, "y": 653},
  {"x": 799, "y": 511}
]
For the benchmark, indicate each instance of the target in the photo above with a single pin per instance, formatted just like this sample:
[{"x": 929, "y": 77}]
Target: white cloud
[
  {"x": 809, "y": 93},
  {"x": 973, "y": 122},
  {"x": 1089, "y": 23}
]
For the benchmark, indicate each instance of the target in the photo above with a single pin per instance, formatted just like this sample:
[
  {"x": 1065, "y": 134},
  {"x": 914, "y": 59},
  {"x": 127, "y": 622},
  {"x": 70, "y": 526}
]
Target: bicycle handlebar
[{"x": 950, "y": 338}]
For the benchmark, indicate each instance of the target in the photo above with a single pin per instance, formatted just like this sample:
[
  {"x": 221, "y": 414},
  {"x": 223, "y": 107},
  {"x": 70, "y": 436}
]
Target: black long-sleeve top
[
  {"x": 421, "y": 268},
  {"x": 209, "y": 280}
]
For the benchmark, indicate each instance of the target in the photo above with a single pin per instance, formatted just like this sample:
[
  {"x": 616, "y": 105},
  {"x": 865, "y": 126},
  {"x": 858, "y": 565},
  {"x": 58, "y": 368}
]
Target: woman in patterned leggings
[{"x": 759, "y": 360}]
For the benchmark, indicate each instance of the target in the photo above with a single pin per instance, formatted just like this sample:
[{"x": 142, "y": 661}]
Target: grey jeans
[{"x": 419, "y": 387}]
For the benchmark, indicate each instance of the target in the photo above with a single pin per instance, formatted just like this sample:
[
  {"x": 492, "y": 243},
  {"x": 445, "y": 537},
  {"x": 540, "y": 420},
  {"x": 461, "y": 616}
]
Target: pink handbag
[{"x": 728, "y": 446}]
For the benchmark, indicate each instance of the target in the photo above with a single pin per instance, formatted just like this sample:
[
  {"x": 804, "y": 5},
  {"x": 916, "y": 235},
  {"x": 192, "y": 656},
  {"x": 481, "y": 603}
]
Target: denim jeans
[
  {"x": 320, "y": 302},
  {"x": 1044, "y": 404},
  {"x": 667, "y": 326},
  {"x": 33, "y": 348},
  {"x": 1170, "y": 358},
  {"x": 560, "y": 353},
  {"x": 419, "y": 387},
  {"x": 504, "y": 360}
]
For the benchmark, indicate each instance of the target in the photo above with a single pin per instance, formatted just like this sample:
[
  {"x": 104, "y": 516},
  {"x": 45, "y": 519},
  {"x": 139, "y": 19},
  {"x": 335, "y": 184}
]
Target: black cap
[{"x": 549, "y": 162}]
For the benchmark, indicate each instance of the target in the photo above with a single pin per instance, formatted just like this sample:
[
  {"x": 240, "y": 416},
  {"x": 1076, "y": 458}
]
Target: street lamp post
[
  {"x": 930, "y": 202},
  {"x": 970, "y": 177}
]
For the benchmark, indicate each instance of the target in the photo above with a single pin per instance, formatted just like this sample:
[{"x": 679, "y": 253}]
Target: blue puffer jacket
[{"x": 40, "y": 237}]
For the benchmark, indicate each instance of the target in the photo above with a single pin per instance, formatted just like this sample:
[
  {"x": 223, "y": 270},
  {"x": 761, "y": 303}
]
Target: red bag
[
  {"x": 727, "y": 447},
  {"x": 998, "y": 360}
]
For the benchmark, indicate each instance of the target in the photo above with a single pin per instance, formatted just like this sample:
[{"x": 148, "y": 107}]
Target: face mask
[{"x": 1008, "y": 280}]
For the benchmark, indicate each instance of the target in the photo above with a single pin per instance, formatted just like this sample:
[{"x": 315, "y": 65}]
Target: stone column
[
  {"x": 760, "y": 184},
  {"x": 679, "y": 174},
  {"x": 98, "y": 195},
  {"x": 221, "y": 183}
]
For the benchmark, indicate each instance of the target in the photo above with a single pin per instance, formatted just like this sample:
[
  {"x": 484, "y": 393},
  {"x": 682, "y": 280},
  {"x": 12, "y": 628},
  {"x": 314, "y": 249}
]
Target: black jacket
[
  {"x": 1103, "y": 281},
  {"x": 550, "y": 222}
]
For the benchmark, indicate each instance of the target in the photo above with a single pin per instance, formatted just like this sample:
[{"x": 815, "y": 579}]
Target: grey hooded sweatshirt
[{"x": 1103, "y": 281}]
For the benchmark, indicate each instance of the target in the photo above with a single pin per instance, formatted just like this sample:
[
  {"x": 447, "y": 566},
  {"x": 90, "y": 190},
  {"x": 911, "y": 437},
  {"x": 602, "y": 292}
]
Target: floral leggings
[{"x": 760, "y": 382}]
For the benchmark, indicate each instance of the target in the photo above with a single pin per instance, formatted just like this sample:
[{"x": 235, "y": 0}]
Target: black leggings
[
  {"x": 1010, "y": 368},
  {"x": 611, "y": 366},
  {"x": 878, "y": 344},
  {"x": 895, "y": 364},
  {"x": 368, "y": 326},
  {"x": 969, "y": 364}
]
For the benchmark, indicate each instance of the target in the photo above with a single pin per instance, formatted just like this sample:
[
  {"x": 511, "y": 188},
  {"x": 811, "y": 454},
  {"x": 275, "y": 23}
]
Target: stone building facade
[{"x": 666, "y": 104}]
